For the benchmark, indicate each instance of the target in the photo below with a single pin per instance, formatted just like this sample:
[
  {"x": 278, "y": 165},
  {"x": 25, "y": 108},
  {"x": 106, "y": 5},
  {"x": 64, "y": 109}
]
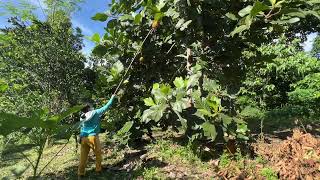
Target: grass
[
  {"x": 174, "y": 153},
  {"x": 163, "y": 159},
  {"x": 13, "y": 161},
  {"x": 151, "y": 173}
]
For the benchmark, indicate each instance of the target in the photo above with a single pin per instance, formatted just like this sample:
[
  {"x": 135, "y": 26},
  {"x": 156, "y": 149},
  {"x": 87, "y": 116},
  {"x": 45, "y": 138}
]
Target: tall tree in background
[
  {"x": 42, "y": 63},
  {"x": 42, "y": 59}
]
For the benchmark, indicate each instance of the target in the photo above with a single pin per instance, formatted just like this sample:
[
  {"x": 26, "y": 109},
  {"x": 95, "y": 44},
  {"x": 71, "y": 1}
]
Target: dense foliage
[
  {"x": 38, "y": 63},
  {"x": 228, "y": 39}
]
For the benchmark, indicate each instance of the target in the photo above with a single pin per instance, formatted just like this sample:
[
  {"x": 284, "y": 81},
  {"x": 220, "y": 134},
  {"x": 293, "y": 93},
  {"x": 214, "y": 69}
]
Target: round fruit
[
  {"x": 141, "y": 59},
  {"x": 155, "y": 24}
]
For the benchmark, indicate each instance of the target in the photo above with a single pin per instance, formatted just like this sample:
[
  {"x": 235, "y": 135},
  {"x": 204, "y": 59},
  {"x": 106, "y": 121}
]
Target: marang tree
[{"x": 217, "y": 32}]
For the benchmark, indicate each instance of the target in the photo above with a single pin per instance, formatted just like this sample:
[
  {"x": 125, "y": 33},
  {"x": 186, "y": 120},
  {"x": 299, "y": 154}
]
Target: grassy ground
[
  {"x": 164, "y": 159},
  {"x": 159, "y": 160}
]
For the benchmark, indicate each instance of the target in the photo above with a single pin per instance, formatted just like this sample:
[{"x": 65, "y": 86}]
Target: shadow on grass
[
  {"x": 12, "y": 153},
  {"x": 12, "y": 149},
  {"x": 279, "y": 123},
  {"x": 130, "y": 167}
]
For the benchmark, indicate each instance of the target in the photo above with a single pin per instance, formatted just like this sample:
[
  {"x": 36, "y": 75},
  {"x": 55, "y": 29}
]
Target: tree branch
[{"x": 26, "y": 157}]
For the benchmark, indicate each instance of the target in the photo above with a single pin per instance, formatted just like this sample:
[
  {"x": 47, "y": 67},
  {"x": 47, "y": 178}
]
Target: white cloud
[
  {"x": 88, "y": 46},
  {"x": 38, "y": 2},
  {"x": 86, "y": 31}
]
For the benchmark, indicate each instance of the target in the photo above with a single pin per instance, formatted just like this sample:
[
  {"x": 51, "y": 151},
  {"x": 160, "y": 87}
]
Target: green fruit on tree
[{"x": 141, "y": 59}]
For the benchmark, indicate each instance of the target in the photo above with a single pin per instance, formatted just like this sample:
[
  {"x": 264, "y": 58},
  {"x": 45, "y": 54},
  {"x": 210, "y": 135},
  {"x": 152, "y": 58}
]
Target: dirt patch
[
  {"x": 298, "y": 157},
  {"x": 173, "y": 171}
]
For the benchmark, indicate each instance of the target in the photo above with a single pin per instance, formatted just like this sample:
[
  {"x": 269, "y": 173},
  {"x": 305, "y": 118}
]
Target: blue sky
[{"x": 82, "y": 19}]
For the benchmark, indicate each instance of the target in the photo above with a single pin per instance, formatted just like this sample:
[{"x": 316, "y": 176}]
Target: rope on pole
[{"x": 134, "y": 57}]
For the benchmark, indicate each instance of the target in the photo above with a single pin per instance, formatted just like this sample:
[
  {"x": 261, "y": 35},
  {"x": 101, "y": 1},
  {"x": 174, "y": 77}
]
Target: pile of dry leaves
[{"x": 298, "y": 157}]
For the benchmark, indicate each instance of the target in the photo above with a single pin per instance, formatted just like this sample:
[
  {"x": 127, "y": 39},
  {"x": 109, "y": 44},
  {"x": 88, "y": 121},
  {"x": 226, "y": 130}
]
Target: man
[{"x": 90, "y": 128}]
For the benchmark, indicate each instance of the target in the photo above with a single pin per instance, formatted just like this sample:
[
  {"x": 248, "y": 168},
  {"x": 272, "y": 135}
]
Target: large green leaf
[
  {"x": 245, "y": 11},
  {"x": 193, "y": 80},
  {"x": 126, "y": 128},
  {"x": 11, "y": 122},
  {"x": 179, "y": 94},
  {"x": 149, "y": 102},
  {"x": 146, "y": 115},
  {"x": 64, "y": 131},
  {"x": 126, "y": 17},
  {"x": 314, "y": 13},
  {"x": 314, "y": 1},
  {"x": 165, "y": 89},
  {"x": 155, "y": 86},
  {"x": 180, "y": 105},
  {"x": 161, "y": 92},
  {"x": 242, "y": 128},
  {"x": 239, "y": 29},
  {"x": 138, "y": 19},
  {"x": 214, "y": 103},
  {"x": 257, "y": 8},
  {"x": 179, "y": 23},
  {"x": 251, "y": 112},
  {"x": 273, "y": 2},
  {"x": 279, "y": 4},
  {"x": 118, "y": 67},
  {"x": 96, "y": 38},
  {"x": 209, "y": 130},
  {"x": 100, "y": 17},
  {"x": 200, "y": 102},
  {"x": 100, "y": 50},
  {"x": 203, "y": 113},
  {"x": 185, "y": 25},
  {"x": 154, "y": 113},
  {"x": 158, "y": 16},
  {"x": 161, "y": 4},
  {"x": 57, "y": 118},
  {"x": 226, "y": 120},
  {"x": 231, "y": 16},
  {"x": 182, "y": 120},
  {"x": 41, "y": 114},
  {"x": 211, "y": 85},
  {"x": 179, "y": 82},
  {"x": 293, "y": 20},
  {"x": 286, "y": 21}
]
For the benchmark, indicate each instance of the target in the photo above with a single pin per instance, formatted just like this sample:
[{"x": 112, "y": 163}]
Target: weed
[
  {"x": 169, "y": 151},
  {"x": 269, "y": 173},
  {"x": 151, "y": 173},
  {"x": 240, "y": 159},
  {"x": 225, "y": 160},
  {"x": 261, "y": 160}
]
